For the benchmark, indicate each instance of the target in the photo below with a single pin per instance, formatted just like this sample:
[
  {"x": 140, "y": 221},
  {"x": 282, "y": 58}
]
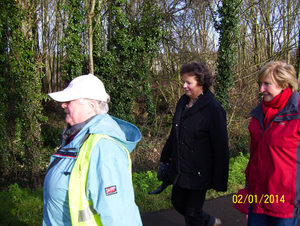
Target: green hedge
[{"x": 25, "y": 207}]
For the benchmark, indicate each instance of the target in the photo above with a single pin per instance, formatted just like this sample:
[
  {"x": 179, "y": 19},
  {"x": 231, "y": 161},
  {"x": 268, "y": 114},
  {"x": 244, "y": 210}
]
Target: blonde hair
[{"x": 282, "y": 73}]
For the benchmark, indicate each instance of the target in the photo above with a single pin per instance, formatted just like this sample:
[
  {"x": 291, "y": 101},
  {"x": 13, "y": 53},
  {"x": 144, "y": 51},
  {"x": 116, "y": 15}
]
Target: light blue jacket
[{"x": 108, "y": 169}]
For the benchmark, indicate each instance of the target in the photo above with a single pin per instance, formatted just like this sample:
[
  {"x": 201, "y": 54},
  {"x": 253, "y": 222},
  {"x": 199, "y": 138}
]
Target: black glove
[
  {"x": 162, "y": 175},
  {"x": 158, "y": 190}
]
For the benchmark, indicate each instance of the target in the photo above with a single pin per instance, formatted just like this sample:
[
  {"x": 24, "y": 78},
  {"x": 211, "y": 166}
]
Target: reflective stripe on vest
[
  {"x": 85, "y": 215},
  {"x": 81, "y": 210}
]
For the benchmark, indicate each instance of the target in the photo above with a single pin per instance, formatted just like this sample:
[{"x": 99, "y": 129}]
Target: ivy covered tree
[
  {"x": 21, "y": 96},
  {"x": 227, "y": 25},
  {"x": 4, "y": 149},
  {"x": 298, "y": 59},
  {"x": 125, "y": 66},
  {"x": 75, "y": 63}
]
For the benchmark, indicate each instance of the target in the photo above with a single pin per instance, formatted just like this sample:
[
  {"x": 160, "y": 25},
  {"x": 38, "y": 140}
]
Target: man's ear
[{"x": 92, "y": 106}]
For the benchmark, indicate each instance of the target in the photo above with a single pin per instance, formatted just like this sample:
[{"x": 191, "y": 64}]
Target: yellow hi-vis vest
[{"x": 81, "y": 210}]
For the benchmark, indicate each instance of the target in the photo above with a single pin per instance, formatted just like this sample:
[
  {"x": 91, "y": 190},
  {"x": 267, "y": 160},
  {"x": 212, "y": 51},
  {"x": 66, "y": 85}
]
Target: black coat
[{"x": 197, "y": 148}]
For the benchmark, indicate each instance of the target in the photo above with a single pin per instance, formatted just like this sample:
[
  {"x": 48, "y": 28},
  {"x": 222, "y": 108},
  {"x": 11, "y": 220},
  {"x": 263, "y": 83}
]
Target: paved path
[{"x": 219, "y": 207}]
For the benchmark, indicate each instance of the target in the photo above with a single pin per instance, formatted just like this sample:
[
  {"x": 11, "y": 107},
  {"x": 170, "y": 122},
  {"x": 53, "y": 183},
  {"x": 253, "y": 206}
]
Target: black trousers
[{"x": 189, "y": 203}]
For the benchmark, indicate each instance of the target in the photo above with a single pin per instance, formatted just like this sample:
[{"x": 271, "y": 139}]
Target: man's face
[{"x": 76, "y": 111}]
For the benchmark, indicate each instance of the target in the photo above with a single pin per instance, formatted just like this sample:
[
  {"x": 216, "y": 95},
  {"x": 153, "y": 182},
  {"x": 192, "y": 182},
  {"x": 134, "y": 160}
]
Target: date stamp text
[{"x": 256, "y": 199}]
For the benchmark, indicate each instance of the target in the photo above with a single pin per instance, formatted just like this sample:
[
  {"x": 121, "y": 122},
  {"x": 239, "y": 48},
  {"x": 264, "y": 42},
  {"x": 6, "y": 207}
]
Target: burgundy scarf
[{"x": 271, "y": 108}]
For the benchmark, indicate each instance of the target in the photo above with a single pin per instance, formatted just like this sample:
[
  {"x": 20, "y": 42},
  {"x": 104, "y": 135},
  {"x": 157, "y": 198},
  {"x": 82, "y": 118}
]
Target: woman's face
[
  {"x": 191, "y": 87},
  {"x": 270, "y": 89}
]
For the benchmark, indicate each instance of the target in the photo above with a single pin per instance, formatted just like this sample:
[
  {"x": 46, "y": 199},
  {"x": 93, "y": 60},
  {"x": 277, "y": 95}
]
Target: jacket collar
[
  {"x": 125, "y": 132},
  {"x": 203, "y": 100},
  {"x": 289, "y": 112}
]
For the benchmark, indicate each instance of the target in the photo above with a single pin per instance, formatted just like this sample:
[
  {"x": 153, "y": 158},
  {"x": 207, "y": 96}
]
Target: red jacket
[{"x": 273, "y": 171}]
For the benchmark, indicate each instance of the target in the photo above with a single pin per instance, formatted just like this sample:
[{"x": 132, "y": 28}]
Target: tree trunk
[{"x": 90, "y": 40}]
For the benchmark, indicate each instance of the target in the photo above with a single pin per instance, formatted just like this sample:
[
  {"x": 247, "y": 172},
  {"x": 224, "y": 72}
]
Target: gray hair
[{"x": 101, "y": 106}]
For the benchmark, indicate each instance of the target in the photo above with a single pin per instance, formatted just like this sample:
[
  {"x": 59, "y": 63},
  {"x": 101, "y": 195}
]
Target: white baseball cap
[{"x": 84, "y": 86}]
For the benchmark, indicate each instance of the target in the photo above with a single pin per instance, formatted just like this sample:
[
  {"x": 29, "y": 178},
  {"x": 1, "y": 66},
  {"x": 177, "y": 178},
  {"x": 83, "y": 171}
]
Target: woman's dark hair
[{"x": 200, "y": 71}]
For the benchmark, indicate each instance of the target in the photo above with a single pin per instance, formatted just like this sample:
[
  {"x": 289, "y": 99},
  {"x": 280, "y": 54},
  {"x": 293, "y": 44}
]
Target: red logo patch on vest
[{"x": 111, "y": 190}]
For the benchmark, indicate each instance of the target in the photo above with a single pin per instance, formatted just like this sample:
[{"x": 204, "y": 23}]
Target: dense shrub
[
  {"x": 21, "y": 207},
  {"x": 25, "y": 207}
]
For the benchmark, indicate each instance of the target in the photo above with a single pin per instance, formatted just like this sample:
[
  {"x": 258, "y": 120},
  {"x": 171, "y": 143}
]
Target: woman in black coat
[{"x": 197, "y": 148}]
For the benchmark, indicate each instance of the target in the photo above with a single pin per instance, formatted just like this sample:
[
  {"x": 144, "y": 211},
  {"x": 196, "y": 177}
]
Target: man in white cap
[{"x": 88, "y": 181}]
